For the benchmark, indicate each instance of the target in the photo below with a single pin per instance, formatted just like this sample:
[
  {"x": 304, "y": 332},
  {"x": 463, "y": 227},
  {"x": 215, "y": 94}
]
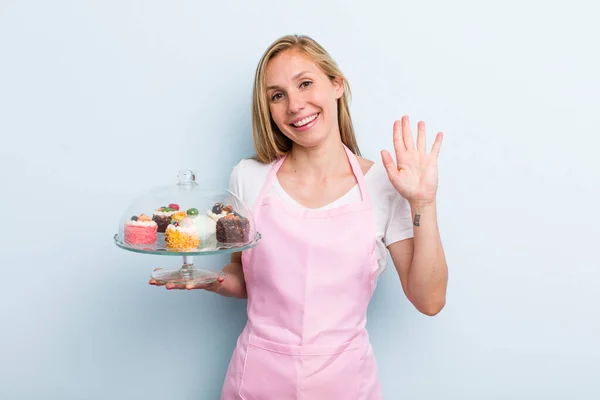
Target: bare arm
[
  {"x": 234, "y": 284},
  {"x": 421, "y": 262}
]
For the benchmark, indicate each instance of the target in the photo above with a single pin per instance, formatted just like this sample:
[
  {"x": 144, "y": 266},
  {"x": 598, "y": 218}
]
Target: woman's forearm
[
  {"x": 234, "y": 284},
  {"x": 428, "y": 276}
]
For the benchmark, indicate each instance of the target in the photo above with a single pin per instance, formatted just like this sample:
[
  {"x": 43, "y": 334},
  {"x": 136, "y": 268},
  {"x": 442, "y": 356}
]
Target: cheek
[
  {"x": 278, "y": 115},
  {"x": 329, "y": 104},
  {"x": 325, "y": 99},
  {"x": 275, "y": 113}
]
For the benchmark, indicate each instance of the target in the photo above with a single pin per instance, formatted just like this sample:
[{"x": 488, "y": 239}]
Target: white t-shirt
[{"x": 393, "y": 220}]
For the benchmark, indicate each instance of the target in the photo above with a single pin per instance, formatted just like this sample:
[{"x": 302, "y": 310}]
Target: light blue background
[{"x": 100, "y": 101}]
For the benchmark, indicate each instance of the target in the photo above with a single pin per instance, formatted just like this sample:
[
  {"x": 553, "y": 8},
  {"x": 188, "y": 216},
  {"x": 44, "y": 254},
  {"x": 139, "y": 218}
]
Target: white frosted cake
[{"x": 207, "y": 229}]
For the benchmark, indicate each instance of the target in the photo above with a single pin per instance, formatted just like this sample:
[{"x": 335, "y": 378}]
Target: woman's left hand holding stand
[{"x": 233, "y": 284}]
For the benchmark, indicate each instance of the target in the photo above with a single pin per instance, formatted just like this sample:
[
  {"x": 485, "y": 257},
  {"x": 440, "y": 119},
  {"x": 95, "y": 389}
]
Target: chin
[
  {"x": 311, "y": 138},
  {"x": 309, "y": 142}
]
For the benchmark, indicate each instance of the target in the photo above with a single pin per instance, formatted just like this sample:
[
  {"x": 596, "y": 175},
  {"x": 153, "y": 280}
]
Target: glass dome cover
[{"x": 186, "y": 219}]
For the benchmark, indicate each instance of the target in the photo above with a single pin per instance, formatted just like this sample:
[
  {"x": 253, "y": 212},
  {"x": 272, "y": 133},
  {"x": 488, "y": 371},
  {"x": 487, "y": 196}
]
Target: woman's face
[{"x": 302, "y": 99}]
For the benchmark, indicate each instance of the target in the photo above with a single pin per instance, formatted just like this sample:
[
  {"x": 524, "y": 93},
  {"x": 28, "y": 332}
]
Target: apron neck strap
[{"x": 358, "y": 174}]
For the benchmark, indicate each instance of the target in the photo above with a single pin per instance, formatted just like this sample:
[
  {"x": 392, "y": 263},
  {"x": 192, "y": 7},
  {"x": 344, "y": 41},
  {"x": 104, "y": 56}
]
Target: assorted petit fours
[
  {"x": 230, "y": 226},
  {"x": 182, "y": 232},
  {"x": 186, "y": 230},
  {"x": 162, "y": 216},
  {"x": 140, "y": 229}
]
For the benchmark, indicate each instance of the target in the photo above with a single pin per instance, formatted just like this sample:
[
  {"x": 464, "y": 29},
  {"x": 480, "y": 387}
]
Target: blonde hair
[{"x": 270, "y": 144}]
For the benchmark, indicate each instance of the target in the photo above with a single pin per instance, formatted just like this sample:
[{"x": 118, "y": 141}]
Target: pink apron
[{"x": 309, "y": 283}]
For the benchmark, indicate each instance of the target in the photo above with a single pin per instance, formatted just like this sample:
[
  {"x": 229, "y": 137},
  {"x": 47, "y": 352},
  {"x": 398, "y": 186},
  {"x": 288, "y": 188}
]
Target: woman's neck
[{"x": 327, "y": 160}]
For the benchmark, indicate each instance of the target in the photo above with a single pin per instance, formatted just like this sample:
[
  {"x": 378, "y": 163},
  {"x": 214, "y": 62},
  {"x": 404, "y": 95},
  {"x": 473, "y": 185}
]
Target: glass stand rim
[{"x": 153, "y": 250}]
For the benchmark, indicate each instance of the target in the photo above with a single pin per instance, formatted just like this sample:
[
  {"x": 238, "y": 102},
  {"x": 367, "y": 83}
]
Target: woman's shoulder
[
  {"x": 248, "y": 174},
  {"x": 374, "y": 172},
  {"x": 365, "y": 164},
  {"x": 391, "y": 209},
  {"x": 249, "y": 168},
  {"x": 378, "y": 181}
]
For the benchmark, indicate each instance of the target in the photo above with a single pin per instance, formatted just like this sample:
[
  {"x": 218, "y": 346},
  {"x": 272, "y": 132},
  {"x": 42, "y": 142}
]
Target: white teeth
[{"x": 305, "y": 121}]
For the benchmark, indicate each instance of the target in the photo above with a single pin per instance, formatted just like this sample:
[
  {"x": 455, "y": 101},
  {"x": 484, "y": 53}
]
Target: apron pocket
[
  {"x": 338, "y": 375},
  {"x": 275, "y": 371},
  {"x": 269, "y": 373}
]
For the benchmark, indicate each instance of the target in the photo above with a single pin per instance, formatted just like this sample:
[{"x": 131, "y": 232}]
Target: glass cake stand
[{"x": 186, "y": 220}]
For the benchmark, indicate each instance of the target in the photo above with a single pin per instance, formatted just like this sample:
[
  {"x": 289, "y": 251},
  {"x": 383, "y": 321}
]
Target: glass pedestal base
[{"x": 186, "y": 274}]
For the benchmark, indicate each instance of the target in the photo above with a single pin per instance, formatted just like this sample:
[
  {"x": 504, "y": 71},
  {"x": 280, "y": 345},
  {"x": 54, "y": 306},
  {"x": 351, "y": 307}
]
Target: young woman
[{"x": 328, "y": 218}]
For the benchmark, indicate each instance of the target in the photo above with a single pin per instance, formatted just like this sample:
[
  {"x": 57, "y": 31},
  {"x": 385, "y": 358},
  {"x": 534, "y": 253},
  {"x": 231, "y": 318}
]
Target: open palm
[{"x": 415, "y": 173}]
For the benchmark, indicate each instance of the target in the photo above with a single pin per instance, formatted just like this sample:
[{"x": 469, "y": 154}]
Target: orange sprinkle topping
[{"x": 178, "y": 240}]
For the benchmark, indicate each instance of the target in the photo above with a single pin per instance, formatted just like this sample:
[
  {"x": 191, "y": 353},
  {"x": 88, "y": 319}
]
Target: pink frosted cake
[{"x": 140, "y": 229}]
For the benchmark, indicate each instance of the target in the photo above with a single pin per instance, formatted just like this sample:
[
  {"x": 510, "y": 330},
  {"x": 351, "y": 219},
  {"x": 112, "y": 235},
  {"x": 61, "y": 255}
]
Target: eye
[
  {"x": 276, "y": 96},
  {"x": 305, "y": 84}
]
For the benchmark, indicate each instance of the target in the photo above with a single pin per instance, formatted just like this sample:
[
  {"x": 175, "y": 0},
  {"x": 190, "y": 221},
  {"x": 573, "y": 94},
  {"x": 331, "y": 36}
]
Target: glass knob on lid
[{"x": 186, "y": 176}]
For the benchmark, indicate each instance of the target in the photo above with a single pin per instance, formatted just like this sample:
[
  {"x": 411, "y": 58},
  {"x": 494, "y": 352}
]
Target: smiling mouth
[{"x": 305, "y": 121}]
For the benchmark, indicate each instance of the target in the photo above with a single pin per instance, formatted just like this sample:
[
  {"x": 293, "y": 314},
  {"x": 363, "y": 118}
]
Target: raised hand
[{"x": 415, "y": 172}]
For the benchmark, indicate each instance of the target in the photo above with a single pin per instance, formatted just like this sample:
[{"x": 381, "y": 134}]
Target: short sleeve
[
  {"x": 234, "y": 182},
  {"x": 247, "y": 179},
  {"x": 399, "y": 223}
]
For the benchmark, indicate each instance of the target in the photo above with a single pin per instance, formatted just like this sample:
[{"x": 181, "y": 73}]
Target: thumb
[{"x": 388, "y": 163}]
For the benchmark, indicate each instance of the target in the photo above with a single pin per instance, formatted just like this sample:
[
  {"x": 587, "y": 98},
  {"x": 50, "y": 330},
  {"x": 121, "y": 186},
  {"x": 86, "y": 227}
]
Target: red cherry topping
[{"x": 174, "y": 207}]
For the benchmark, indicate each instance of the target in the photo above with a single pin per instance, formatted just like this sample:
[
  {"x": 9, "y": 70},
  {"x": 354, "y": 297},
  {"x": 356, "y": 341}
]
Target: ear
[{"x": 338, "y": 86}]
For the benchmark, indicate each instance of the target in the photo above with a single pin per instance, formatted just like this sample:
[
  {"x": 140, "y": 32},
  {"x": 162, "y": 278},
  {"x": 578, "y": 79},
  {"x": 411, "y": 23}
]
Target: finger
[
  {"x": 171, "y": 285},
  {"x": 214, "y": 286},
  {"x": 437, "y": 145},
  {"x": 398, "y": 142},
  {"x": 421, "y": 138},
  {"x": 194, "y": 285},
  {"x": 153, "y": 281},
  {"x": 407, "y": 134}
]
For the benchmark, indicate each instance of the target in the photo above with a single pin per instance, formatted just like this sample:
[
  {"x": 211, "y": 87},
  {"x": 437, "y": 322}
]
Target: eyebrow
[{"x": 298, "y": 75}]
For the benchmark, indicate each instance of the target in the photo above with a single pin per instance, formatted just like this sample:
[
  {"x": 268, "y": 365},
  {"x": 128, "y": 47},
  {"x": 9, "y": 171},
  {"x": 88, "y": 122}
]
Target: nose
[{"x": 295, "y": 103}]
